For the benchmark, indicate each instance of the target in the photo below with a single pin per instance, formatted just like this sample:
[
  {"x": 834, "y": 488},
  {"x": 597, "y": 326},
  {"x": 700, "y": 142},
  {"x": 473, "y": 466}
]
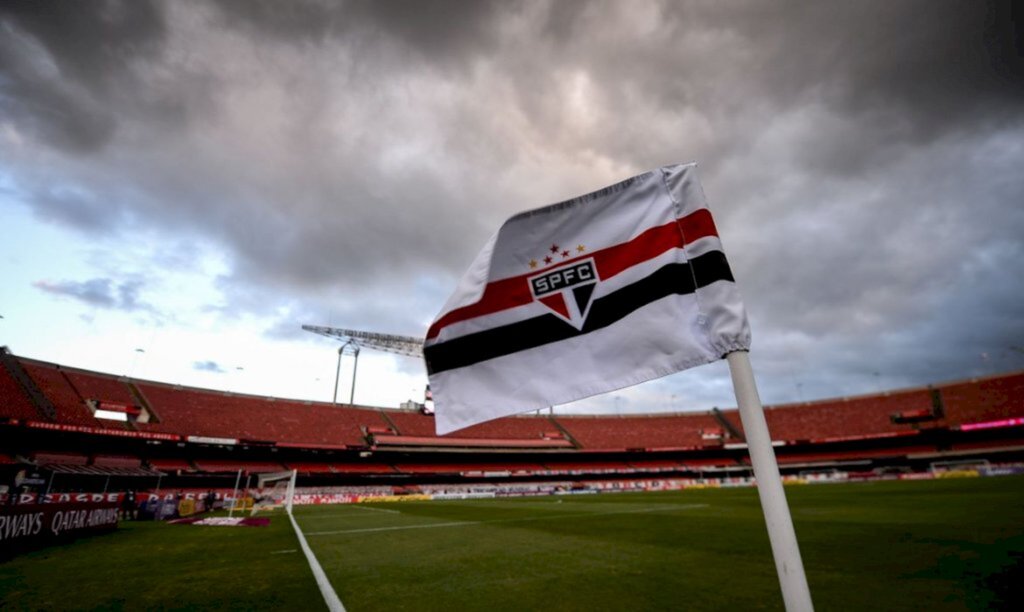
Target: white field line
[
  {"x": 662, "y": 507},
  {"x": 362, "y": 507},
  {"x": 336, "y": 515},
  {"x": 330, "y": 597}
]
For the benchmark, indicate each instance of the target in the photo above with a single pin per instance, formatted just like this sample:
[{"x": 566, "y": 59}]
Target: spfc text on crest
[{"x": 567, "y": 290}]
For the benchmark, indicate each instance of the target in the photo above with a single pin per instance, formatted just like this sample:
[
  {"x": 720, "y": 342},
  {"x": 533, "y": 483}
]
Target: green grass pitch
[{"x": 911, "y": 545}]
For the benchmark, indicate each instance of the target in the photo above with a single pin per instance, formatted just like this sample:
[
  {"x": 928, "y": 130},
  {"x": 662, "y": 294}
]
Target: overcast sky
[{"x": 184, "y": 184}]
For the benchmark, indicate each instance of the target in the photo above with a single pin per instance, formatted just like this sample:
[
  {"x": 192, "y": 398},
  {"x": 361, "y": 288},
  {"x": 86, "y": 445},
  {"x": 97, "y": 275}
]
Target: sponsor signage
[
  {"x": 24, "y": 477},
  {"x": 373, "y": 499},
  {"x": 63, "y": 498},
  {"x": 993, "y": 424},
  {"x": 209, "y": 440},
  {"x": 225, "y": 521},
  {"x": 315, "y": 499},
  {"x": 30, "y": 526},
  {"x": 122, "y": 433},
  {"x": 487, "y": 495}
]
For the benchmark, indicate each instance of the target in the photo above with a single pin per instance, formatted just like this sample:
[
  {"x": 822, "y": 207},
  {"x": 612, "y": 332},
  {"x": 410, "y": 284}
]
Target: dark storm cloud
[
  {"x": 349, "y": 159},
  {"x": 67, "y": 65},
  {"x": 434, "y": 28},
  {"x": 901, "y": 71}
]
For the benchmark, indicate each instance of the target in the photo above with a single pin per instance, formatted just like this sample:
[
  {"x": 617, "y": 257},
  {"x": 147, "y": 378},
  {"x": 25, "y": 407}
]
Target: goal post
[
  {"x": 276, "y": 490},
  {"x": 290, "y": 494}
]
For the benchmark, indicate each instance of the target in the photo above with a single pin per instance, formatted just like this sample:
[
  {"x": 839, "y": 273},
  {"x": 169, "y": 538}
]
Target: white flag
[{"x": 586, "y": 296}]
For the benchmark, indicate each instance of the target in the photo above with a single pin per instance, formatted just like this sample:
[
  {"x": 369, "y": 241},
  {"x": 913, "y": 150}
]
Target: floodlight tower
[{"x": 353, "y": 340}]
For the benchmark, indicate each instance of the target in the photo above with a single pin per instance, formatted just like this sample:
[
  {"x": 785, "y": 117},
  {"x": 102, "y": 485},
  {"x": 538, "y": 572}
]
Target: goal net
[{"x": 274, "y": 490}]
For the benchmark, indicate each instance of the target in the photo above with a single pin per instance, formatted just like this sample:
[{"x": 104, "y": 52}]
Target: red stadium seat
[
  {"x": 682, "y": 431},
  {"x": 14, "y": 402}
]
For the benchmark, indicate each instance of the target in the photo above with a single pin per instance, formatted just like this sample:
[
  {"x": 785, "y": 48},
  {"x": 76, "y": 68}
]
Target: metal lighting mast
[{"x": 352, "y": 340}]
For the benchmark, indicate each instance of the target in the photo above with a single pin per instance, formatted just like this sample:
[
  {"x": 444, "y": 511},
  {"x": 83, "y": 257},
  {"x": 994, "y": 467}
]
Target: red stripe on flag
[
  {"x": 515, "y": 291},
  {"x": 653, "y": 242}
]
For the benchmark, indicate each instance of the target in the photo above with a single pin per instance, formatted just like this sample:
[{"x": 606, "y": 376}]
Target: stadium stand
[
  {"x": 414, "y": 429},
  {"x": 988, "y": 399},
  {"x": 60, "y": 459},
  {"x": 16, "y": 403},
  {"x": 588, "y": 466},
  {"x": 71, "y": 408},
  {"x": 697, "y": 463},
  {"x": 1000, "y": 444},
  {"x": 245, "y": 417},
  {"x": 864, "y": 416},
  {"x": 362, "y": 468},
  {"x": 248, "y": 467},
  {"x": 416, "y": 424},
  {"x": 654, "y": 464},
  {"x": 199, "y": 437},
  {"x": 14, "y": 370},
  {"x": 116, "y": 461},
  {"x": 172, "y": 465},
  {"x": 99, "y": 387},
  {"x": 460, "y": 468},
  {"x": 638, "y": 432},
  {"x": 454, "y": 441},
  {"x": 309, "y": 468},
  {"x": 854, "y": 455}
]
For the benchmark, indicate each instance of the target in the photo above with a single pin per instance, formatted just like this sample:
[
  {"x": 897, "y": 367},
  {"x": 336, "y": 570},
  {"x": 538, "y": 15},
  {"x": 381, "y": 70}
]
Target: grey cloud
[
  {"x": 100, "y": 292},
  {"x": 430, "y": 27},
  {"x": 65, "y": 63},
  {"x": 208, "y": 366},
  {"x": 75, "y": 207},
  {"x": 862, "y": 159}
]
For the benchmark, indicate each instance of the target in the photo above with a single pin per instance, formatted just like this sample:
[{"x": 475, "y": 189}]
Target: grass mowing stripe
[{"x": 660, "y": 507}]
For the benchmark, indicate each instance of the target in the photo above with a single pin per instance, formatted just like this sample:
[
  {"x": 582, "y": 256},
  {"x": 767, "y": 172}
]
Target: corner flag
[
  {"x": 597, "y": 293},
  {"x": 593, "y": 294}
]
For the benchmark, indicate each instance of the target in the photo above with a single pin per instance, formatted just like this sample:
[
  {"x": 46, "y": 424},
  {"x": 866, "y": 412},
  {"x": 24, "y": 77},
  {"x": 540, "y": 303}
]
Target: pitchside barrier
[
  {"x": 963, "y": 468},
  {"x": 26, "y": 527}
]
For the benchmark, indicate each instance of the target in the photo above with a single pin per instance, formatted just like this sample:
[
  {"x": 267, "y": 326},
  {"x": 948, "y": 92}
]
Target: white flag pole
[{"x": 795, "y": 593}]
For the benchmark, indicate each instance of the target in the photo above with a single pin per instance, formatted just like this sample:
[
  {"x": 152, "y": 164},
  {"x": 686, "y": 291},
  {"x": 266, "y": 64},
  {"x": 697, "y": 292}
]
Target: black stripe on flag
[{"x": 671, "y": 279}]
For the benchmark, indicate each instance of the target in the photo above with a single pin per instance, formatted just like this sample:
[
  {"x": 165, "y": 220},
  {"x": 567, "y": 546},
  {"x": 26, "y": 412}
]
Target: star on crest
[{"x": 555, "y": 252}]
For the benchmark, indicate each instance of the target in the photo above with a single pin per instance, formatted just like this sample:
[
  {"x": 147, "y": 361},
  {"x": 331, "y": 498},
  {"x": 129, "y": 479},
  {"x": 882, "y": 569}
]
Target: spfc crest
[{"x": 567, "y": 290}]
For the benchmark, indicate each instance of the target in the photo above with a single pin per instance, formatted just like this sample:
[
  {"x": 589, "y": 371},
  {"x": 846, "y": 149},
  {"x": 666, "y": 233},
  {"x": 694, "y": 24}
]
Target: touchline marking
[
  {"x": 512, "y": 520},
  {"x": 326, "y": 590}
]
